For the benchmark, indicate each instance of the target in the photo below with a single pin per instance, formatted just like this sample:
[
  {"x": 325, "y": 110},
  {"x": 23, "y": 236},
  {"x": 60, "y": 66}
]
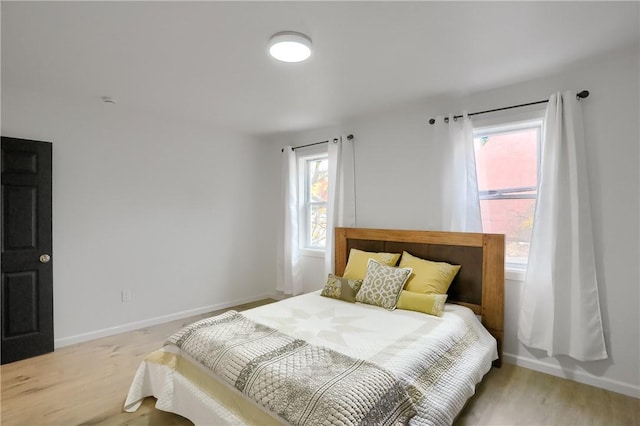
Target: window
[
  {"x": 314, "y": 184},
  {"x": 507, "y": 162}
]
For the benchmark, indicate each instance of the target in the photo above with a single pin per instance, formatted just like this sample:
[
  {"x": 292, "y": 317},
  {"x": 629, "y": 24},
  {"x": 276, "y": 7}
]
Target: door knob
[{"x": 45, "y": 258}]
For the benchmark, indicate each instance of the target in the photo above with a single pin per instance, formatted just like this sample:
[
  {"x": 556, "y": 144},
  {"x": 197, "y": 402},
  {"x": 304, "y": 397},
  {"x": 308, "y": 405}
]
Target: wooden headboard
[{"x": 479, "y": 284}]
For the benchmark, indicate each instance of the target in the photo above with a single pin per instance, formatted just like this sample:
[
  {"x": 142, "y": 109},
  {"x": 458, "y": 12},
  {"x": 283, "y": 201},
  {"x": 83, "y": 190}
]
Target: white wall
[
  {"x": 172, "y": 211},
  {"x": 397, "y": 169}
]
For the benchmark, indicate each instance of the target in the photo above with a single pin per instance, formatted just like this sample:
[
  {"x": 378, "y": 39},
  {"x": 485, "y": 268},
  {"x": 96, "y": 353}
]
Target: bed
[{"x": 316, "y": 360}]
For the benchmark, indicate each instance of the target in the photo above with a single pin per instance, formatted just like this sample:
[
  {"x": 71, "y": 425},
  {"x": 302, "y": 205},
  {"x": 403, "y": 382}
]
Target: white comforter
[{"x": 440, "y": 359}]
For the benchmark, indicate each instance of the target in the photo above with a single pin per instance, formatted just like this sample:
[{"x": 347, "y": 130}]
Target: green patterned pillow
[
  {"x": 341, "y": 288},
  {"x": 382, "y": 285}
]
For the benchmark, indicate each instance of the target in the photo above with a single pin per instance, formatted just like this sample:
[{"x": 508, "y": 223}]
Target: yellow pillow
[
  {"x": 428, "y": 276},
  {"x": 357, "y": 264},
  {"x": 432, "y": 304}
]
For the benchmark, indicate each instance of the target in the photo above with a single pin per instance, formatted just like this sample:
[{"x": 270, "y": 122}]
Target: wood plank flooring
[
  {"x": 513, "y": 395},
  {"x": 88, "y": 382}
]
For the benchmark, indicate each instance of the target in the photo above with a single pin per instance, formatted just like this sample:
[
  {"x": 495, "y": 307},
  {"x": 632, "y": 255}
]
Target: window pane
[
  {"x": 507, "y": 160},
  {"x": 318, "y": 180},
  {"x": 318, "y": 228},
  {"x": 514, "y": 218},
  {"x": 507, "y": 167}
]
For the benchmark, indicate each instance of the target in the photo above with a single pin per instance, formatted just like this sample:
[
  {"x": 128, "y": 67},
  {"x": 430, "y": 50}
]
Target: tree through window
[{"x": 316, "y": 197}]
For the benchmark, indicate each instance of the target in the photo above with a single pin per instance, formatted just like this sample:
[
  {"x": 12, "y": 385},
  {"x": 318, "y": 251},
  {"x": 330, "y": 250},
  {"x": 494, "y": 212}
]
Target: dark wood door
[{"x": 27, "y": 260}]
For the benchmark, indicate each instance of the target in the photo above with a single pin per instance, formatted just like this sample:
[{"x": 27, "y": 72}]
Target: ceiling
[{"x": 208, "y": 61}]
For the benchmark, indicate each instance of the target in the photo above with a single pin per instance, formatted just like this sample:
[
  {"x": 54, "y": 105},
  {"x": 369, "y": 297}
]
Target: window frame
[
  {"x": 305, "y": 204},
  {"x": 504, "y": 125}
]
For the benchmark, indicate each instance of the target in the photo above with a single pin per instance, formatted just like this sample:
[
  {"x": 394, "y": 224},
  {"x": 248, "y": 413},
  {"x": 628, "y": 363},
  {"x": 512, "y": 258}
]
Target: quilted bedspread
[
  {"x": 435, "y": 361},
  {"x": 304, "y": 384}
]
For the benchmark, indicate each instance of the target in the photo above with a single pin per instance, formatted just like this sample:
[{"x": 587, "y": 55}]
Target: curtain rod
[
  {"x": 349, "y": 137},
  {"x": 581, "y": 95}
]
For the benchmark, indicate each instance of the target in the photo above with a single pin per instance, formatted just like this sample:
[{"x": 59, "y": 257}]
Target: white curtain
[
  {"x": 460, "y": 201},
  {"x": 341, "y": 205},
  {"x": 288, "y": 273},
  {"x": 560, "y": 310}
]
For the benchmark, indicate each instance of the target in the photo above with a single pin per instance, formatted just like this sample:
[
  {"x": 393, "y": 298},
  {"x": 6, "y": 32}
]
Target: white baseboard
[
  {"x": 104, "y": 332},
  {"x": 577, "y": 376}
]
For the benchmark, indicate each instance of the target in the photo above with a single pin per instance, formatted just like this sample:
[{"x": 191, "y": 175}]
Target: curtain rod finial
[{"x": 583, "y": 94}]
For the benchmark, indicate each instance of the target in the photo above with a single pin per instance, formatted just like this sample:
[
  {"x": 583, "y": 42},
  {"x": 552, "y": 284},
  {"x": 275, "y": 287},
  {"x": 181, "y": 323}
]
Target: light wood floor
[{"x": 87, "y": 384}]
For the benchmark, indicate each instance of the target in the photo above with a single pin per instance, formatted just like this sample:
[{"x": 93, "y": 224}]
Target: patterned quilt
[
  {"x": 304, "y": 384},
  {"x": 437, "y": 361}
]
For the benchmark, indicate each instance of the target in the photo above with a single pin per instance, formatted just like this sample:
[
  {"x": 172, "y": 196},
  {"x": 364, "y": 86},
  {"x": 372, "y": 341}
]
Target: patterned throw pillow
[
  {"x": 382, "y": 285},
  {"x": 341, "y": 288}
]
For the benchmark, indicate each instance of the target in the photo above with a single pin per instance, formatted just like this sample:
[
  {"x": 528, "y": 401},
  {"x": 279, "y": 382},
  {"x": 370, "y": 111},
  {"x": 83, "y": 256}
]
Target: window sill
[
  {"x": 514, "y": 274},
  {"x": 311, "y": 252}
]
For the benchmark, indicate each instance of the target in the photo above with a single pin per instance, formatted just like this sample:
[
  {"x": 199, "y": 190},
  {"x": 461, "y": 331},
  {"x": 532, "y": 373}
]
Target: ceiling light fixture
[{"x": 290, "y": 46}]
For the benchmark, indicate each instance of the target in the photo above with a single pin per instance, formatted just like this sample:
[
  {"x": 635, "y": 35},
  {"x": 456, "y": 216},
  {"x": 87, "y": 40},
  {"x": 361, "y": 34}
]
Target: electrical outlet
[{"x": 126, "y": 296}]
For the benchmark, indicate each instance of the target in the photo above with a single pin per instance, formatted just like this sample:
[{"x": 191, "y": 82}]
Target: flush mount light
[{"x": 290, "y": 46}]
